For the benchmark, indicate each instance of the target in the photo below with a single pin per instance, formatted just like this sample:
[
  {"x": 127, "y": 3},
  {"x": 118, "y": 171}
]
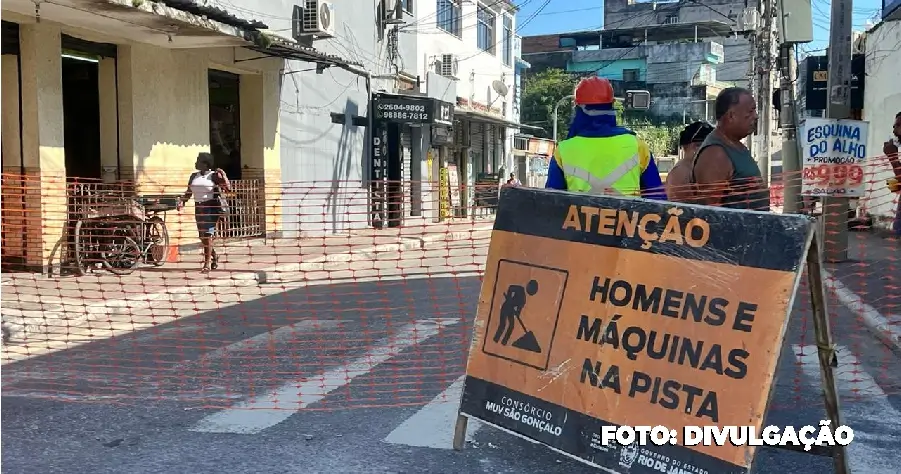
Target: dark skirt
[{"x": 207, "y": 215}]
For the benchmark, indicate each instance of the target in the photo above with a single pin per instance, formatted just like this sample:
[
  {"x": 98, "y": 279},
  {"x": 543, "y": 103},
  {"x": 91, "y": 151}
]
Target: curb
[
  {"x": 96, "y": 311},
  {"x": 888, "y": 333}
]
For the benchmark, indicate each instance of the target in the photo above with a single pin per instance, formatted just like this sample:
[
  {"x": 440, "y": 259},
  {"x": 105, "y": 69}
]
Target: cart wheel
[
  {"x": 158, "y": 236},
  {"x": 86, "y": 251},
  {"x": 121, "y": 254}
]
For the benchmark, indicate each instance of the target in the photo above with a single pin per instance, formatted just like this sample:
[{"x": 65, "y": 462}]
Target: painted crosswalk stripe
[
  {"x": 259, "y": 413},
  {"x": 873, "y": 412},
  {"x": 433, "y": 425},
  {"x": 276, "y": 336}
]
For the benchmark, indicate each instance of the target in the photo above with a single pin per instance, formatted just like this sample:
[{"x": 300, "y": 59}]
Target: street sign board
[
  {"x": 412, "y": 109},
  {"x": 607, "y": 330},
  {"x": 834, "y": 156}
]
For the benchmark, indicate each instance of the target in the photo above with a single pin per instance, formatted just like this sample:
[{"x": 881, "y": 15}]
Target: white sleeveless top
[{"x": 202, "y": 186}]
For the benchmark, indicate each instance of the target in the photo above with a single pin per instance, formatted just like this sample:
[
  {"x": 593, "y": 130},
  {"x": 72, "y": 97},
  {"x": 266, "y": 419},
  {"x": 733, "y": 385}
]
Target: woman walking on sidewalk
[{"x": 207, "y": 186}]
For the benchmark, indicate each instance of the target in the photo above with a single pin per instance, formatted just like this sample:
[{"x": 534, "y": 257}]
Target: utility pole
[
  {"x": 765, "y": 87},
  {"x": 752, "y": 84},
  {"x": 791, "y": 160},
  {"x": 838, "y": 91}
]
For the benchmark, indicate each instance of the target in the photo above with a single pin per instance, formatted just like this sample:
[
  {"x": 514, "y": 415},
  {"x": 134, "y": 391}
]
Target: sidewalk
[
  {"x": 869, "y": 284},
  {"x": 27, "y": 296}
]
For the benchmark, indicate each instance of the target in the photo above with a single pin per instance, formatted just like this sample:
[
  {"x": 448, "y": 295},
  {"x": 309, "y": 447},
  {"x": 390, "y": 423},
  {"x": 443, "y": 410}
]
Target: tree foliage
[{"x": 540, "y": 94}]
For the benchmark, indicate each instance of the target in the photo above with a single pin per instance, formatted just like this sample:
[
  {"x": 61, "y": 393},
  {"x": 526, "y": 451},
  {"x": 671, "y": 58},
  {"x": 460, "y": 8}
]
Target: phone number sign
[
  {"x": 414, "y": 110},
  {"x": 834, "y": 157}
]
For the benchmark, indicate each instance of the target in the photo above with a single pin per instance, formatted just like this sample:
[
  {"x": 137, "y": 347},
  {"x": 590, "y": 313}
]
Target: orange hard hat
[{"x": 594, "y": 90}]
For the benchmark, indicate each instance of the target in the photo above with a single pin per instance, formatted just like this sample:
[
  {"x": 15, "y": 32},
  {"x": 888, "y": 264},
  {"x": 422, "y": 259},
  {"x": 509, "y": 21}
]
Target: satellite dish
[{"x": 499, "y": 87}]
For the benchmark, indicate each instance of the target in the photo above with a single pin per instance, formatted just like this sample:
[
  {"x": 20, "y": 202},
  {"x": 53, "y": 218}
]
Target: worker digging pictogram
[
  {"x": 514, "y": 301},
  {"x": 523, "y": 314}
]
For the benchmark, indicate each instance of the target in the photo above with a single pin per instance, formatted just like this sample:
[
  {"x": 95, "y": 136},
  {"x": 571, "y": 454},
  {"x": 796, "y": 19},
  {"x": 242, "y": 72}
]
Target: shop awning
[
  {"x": 254, "y": 33},
  {"x": 280, "y": 47},
  {"x": 476, "y": 116}
]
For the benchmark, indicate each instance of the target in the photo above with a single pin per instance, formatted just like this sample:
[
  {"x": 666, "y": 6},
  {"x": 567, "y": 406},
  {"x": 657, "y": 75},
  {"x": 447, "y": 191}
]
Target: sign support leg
[
  {"x": 460, "y": 432},
  {"x": 825, "y": 349}
]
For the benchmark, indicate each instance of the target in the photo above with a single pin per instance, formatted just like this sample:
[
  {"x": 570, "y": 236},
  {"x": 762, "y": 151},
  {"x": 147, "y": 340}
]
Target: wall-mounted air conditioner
[
  {"x": 748, "y": 20},
  {"x": 318, "y": 19},
  {"x": 447, "y": 65}
]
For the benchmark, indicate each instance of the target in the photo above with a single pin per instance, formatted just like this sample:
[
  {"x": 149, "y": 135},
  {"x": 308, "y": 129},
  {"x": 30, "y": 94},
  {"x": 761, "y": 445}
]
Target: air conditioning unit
[
  {"x": 637, "y": 100},
  {"x": 447, "y": 65},
  {"x": 318, "y": 19},
  {"x": 748, "y": 20}
]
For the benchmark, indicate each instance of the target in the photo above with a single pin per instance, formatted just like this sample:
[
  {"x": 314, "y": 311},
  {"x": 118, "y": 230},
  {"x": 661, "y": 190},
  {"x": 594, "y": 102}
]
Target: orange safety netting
[{"x": 309, "y": 295}]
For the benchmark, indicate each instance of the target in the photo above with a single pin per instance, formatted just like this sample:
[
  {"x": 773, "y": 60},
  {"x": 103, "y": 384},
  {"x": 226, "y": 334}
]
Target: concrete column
[
  {"x": 13, "y": 225},
  {"x": 260, "y": 150},
  {"x": 252, "y": 107},
  {"x": 12, "y": 151},
  {"x": 42, "y": 144},
  {"x": 125, "y": 113},
  {"x": 417, "y": 156},
  {"x": 109, "y": 125}
]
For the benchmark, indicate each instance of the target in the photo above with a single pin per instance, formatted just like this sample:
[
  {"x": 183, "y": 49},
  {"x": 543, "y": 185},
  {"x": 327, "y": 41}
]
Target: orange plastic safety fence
[{"x": 328, "y": 295}]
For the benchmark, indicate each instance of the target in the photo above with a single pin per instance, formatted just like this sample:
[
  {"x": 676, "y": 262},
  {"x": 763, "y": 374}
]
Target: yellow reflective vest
[{"x": 603, "y": 165}]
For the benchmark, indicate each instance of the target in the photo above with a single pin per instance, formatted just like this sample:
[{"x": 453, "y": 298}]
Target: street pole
[
  {"x": 765, "y": 88},
  {"x": 838, "y": 90},
  {"x": 791, "y": 161},
  {"x": 752, "y": 85},
  {"x": 556, "y": 107}
]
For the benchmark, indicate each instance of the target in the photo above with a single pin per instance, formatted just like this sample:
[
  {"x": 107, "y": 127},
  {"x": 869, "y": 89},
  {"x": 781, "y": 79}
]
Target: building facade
[
  {"x": 520, "y": 140},
  {"x": 116, "y": 93},
  {"x": 101, "y": 93},
  {"x": 322, "y": 113},
  {"x": 463, "y": 53},
  {"x": 681, "y": 52},
  {"x": 717, "y": 21},
  {"x": 881, "y": 102}
]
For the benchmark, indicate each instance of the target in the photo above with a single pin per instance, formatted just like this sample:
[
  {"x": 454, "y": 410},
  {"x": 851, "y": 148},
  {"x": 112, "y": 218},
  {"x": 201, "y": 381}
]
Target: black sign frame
[{"x": 815, "y": 82}]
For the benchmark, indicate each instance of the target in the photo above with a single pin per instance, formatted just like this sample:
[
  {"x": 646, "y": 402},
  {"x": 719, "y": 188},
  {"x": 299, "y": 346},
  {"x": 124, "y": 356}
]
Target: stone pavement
[
  {"x": 869, "y": 284},
  {"x": 30, "y": 300}
]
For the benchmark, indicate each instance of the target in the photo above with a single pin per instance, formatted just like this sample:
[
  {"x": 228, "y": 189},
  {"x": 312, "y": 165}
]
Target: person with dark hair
[
  {"x": 600, "y": 157},
  {"x": 723, "y": 169},
  {"x": 207, "y": 185},
  {"x": 678, "y": 186},
  {"x": 890, "y": 148}
]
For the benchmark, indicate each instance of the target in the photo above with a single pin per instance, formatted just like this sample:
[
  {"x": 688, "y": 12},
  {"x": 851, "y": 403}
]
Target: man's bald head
[{"x": 736, "y": 112}]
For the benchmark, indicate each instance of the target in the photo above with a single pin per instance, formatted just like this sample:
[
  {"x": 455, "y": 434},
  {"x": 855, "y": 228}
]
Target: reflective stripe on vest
[
  {"x": 609, "y": 165},
  {"x": 604, "y": 185}
]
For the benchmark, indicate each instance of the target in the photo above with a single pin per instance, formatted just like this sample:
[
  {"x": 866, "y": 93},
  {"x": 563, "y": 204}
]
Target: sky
[{"x": 538, "y": 17}]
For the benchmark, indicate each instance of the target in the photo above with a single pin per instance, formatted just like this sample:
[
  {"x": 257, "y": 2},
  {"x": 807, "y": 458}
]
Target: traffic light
[{"x": 637, "y": 100}]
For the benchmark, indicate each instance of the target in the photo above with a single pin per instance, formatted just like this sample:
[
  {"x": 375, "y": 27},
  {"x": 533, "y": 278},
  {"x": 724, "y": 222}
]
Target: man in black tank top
[{"x": 724, "y": 171}]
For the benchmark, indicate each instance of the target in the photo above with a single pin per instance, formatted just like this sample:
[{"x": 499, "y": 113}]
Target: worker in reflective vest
[{"x": 600, "y": 157}]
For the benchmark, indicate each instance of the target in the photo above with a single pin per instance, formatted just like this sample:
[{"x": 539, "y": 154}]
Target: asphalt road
[{"x": 374, "y": 361}]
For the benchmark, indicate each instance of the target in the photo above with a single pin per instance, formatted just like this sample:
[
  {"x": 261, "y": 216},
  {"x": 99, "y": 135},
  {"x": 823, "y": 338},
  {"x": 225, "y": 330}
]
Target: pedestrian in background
[
  {"x": 723, "y": 169},
  {"x": 678, "y": 180},
  {"x": 207, "y": 185},
  {"x": 890, "y": 148}
]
